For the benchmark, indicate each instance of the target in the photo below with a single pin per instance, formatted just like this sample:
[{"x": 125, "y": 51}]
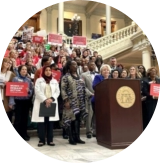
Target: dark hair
[
  {"x": 92, "y": 57},
  {"x": 122, "y": 72},
  {"x": 90, "y": 62},
  {"x": 114, "y": 71},
  {"x": 53, "y": 65},
  {"x": 44, "y": 59},
  {"x": 112, "y": 58},
  {"x": 95, "y": 52},
  {"x": 144, "y": 74},
  {"x": 120, "y": 65},
  {"x": 149, "y": 71},
  {"x": 99, "y": 60},
  {"x": 20, "y": 68},
  {"x": 67, "y": 66}
]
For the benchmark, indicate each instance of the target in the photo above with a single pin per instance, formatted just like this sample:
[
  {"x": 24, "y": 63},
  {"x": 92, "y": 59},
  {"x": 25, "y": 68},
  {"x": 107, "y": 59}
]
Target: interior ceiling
[
  {"x": 80, "y": 2},
  {"x": 125, "y": 9}
]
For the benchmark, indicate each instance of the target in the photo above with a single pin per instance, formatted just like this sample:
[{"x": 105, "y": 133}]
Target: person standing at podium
[
  {"x": 105, "y": 71},
  {"x": 88, "y": 78}
]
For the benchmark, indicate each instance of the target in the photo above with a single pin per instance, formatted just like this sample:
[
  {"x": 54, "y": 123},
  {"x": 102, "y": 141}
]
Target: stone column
[
  {"x": 88, "y": 33},
  {"x": 49, "y": 19},
  {"x": 108, "y": 20},
  {"x": 61, "y": 18},
  {"x": 146, "y": 58}
]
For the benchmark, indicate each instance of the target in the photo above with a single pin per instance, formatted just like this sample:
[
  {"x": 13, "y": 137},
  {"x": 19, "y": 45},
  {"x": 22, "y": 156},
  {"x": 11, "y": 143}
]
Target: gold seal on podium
[{"x": 125, "y": 97}]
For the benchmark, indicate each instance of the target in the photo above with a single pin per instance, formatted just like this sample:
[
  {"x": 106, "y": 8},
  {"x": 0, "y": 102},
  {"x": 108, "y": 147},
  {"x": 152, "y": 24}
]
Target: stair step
[{"x": 57, "y": 132}]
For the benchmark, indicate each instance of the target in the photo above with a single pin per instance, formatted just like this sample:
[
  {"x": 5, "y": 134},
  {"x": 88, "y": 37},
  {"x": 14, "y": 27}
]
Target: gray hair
[{"x": 103, "y": 66}]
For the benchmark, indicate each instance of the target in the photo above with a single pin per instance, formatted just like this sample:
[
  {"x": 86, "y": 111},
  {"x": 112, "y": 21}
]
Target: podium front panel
[{"x": 117, "y": 127}]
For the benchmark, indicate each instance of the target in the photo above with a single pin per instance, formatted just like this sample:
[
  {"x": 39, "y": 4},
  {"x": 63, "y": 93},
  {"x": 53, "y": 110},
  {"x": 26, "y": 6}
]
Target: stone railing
[
  {"x": 114, "y": 37},
  {"x": 134, "y": 42},
  {"x": 69, "y": 40}
]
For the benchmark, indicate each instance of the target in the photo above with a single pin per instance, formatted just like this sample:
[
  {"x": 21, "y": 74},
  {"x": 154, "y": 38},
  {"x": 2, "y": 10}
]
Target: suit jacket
[
  {"x": 79, "y": 70},
  {"x": 87, "y": 78},
  {"x": 117, "y": 68},
  {"x": 97, "y": 79}
]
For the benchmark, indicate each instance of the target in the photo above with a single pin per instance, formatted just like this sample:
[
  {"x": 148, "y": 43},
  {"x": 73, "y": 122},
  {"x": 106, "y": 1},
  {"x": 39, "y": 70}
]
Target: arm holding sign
[{"x": 30, "y": 88}]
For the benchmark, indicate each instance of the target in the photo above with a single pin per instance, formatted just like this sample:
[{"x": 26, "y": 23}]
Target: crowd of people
[{"x": 81, "y": 70}]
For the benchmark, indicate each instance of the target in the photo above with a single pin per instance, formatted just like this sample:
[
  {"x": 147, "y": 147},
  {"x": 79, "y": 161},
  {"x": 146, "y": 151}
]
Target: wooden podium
[{"x": 118, "y": 126}]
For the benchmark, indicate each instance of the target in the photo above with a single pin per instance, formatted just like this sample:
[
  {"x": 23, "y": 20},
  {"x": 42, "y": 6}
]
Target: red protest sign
[
  {"x": 16, "y": 89},
  {"x": 54, "y": 39},
  {"x": 56, "y": 75},
  {"x": 37, "y": 39},
  {"x": 154, "y": 89},
  {"x": 79, "y": 41}
]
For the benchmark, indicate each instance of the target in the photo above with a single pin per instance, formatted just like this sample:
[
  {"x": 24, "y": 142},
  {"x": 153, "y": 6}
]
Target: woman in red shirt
[
  {"x": 18, "y": 60},
  {"x": 10, "y": 47},
  {"x": 23, "y": 53},
  {"x": 35, "y": 57}
]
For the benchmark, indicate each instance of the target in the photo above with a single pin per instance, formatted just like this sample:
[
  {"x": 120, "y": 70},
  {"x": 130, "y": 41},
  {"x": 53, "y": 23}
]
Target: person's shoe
[
  {"x": 78, "y": 140},
  {"x": 40, "y": 144},
  {"x": 51, "y": 144},
  {"x": 72, "y": 142},
  {"x": 65, "y": 136},
  {"x": 94, "y": 135},
  {"x": 27, "y": 136},
  {"x": 70, "y": 134},
  {"x": 89, "y": 136}
]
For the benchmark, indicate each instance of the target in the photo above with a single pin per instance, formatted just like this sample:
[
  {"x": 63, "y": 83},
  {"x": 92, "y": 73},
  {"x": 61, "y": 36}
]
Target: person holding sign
[
  {"x": 46, "y": 91},
  {"x": 6, "y": 76},
  {"x": 21, "y": 104},
  {"x": 151, "y": 101}
]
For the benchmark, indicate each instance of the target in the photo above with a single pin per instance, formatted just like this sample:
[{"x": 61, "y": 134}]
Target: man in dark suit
[
  {"x": 113, "y": 64},
  {"x": 88, "y": 78}
]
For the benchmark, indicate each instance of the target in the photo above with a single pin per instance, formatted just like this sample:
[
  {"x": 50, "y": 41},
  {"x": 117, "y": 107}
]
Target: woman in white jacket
[{"x": 46, "y": 90}]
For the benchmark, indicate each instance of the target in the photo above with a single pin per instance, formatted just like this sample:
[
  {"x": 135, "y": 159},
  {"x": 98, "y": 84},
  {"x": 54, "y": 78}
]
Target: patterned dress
[{"x": 73, "y": 88}]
